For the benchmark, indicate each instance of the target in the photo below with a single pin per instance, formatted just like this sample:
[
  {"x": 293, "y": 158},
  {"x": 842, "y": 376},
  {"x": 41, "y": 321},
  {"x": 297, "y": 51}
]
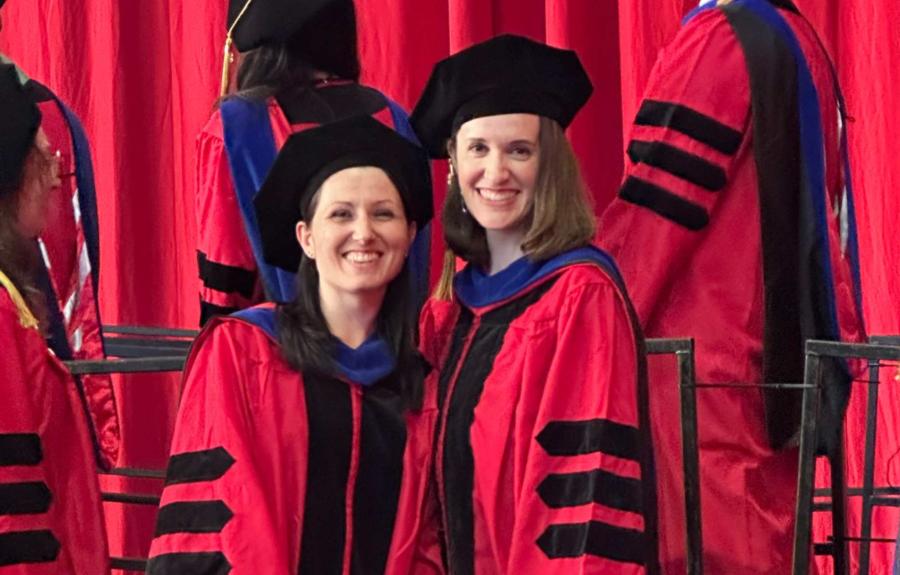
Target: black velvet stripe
[
  {"x": 195, "y": 466},
  {"x": 329, "y": 415},
  {"x": 209, "y": 311},
  {"x": 192, "y": 517},
  {"x": 208, "y": 563},
  {"x": 664, "y": 203},
  {"x": 379, "y": 478},
  {"x": 593, "y": 538},
  {"x": 458, "y": 463},
  {"x": 21, "y": 547},
  {"x": 568, "y": 438},
  {"x": 598, "y": 486},
  {"x": 457, "y": 342},
  {"x": 785, "y": 220},
  {"x": 20, "y": 449},
  {"x": 686, "y": 166},
  {"x": 691, "y": 123},
  {"x": 24, "y": 498},
  {"x": 228, "y": 279}
]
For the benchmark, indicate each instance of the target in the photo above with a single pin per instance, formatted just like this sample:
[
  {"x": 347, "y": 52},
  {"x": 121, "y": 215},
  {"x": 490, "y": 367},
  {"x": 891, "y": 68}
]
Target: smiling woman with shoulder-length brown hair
[
  {"x": 561, "y": 217},
  {"x": 537, "y": 355}
]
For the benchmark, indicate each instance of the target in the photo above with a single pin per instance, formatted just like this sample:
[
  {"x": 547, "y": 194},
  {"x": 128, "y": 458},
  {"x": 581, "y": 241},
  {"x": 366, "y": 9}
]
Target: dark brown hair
[
  {"x": 560, "y": 218},
  {"x": 19, "y": 255},
  {"x": 307, "y": 343}
]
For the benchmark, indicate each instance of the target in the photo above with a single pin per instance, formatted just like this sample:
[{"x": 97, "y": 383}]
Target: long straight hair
[{"x": 309, "y": 347}]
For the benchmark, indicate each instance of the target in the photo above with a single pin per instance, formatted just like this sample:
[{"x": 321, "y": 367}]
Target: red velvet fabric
[{"x": 144, "y": 75}]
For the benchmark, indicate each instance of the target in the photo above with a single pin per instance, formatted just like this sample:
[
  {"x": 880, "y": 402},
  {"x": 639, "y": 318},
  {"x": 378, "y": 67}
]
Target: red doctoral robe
[
  {"x": 543, "y": 458},
  {"x": 278, "y": 473},
  {"x": 706, "y": 231},
  {"x": 51, "y": 519}
]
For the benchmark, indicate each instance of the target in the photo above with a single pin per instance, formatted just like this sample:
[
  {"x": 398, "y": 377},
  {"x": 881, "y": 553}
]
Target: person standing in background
[
  {"x": 734, "y": 225},
  {"x": 51, "y": 519},
  {"x": 69, "y": 270},
  {"x": 299, "y": 69}
]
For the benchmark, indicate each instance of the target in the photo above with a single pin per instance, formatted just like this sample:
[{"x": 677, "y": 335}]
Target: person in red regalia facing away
[
  {"x": 299, "y": 68},
  {"x": 304, "y": 437},
  {"x": 734, "y": 225},
  {"x": 51, "y": 520}
]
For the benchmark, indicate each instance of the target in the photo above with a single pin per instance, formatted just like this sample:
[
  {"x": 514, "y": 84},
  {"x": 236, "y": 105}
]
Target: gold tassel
[
  {"x": 227, "y": 59},
  {"x": 228, "y": 55}
]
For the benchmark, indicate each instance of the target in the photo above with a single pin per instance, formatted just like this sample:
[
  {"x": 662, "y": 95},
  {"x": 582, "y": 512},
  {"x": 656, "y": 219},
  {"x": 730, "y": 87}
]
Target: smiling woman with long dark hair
[{"x": 303, "y": 441}]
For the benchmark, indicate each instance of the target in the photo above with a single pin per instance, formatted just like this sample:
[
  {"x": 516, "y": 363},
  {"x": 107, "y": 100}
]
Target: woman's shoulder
[{"x": 236, "y": 338}]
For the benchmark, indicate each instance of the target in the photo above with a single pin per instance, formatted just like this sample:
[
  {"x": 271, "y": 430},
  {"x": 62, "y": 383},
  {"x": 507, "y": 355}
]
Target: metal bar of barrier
[
  {"x": 132, "y": 365},
  {"x": 128, "y": 564},
  {"x": 691, "y": 460},
  {"x": 142, "y": 342},
  {"x": 838, "y": 507},
  {"x": 136, "y": 472},
  {"x": 123, "y": 350},
  {"x": 752, "y": 386},
  {"x": 683, "y": 349},
  {"x": 130, "y": 498},
  {"x": 870, "y": 540},
  {"x": 869, "y": 464},
  {"x": 858, "y": 491},
  {"x": 891, "y": 340},
  {"x": 150, "y": 331},
  {"x": 659, "y": 346},
  {"x": 806, "y": 475},
  {"x": 853, "y": 350},
  {"x": 881, "y": 349}
]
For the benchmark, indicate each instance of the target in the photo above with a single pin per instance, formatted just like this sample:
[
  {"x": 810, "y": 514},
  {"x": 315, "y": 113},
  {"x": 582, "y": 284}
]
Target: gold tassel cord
[{"x": 228, "y": 56}]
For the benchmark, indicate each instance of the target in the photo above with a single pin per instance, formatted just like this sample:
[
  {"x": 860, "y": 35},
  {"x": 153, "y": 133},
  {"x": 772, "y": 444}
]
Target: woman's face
[
  {"x": 497, "y": 159},
  {"x": 41, "y": 176},
  {"x": 359, "y": 235}
]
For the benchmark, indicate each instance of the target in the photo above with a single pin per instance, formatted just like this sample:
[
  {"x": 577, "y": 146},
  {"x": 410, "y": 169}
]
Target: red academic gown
[
  {"x": 51, "y": 519},
  {"x": 228, "y": 269},
  {"x": 543, "y": 459},
  {"x": 706, "y": 254},
  {"x": 278, "y": 473},
  {"x": 69, "y": 268}
]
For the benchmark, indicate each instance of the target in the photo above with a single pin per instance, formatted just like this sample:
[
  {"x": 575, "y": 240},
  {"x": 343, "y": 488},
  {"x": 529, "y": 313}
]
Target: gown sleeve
[
  {"x": 223, "y": 503},
  {"x": 686, "y": 145},
  {"x": 581, "y": 492},
  {"x": 228, "y": 271},
  {"x": 27, "y": 538}
]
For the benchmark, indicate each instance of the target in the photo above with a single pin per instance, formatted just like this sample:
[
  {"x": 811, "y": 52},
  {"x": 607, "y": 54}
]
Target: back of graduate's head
[{"x": 284, "y": 56}]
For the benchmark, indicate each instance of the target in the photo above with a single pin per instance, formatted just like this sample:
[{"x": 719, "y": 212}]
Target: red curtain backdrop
[{"x": 143, "y": 76}]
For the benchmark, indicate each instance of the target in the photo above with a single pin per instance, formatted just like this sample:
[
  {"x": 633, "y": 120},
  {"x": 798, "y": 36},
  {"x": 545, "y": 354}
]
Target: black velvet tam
[
  {"x": 505, "y": 75},
  {"x": 309, "y": 157},
  {"x": 19, "y": 122},
  {"x": 272, "y": 21}
]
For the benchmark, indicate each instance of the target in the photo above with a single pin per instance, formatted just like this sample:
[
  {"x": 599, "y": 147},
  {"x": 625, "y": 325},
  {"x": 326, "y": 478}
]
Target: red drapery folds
[{"x": 143, "y": 76}]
